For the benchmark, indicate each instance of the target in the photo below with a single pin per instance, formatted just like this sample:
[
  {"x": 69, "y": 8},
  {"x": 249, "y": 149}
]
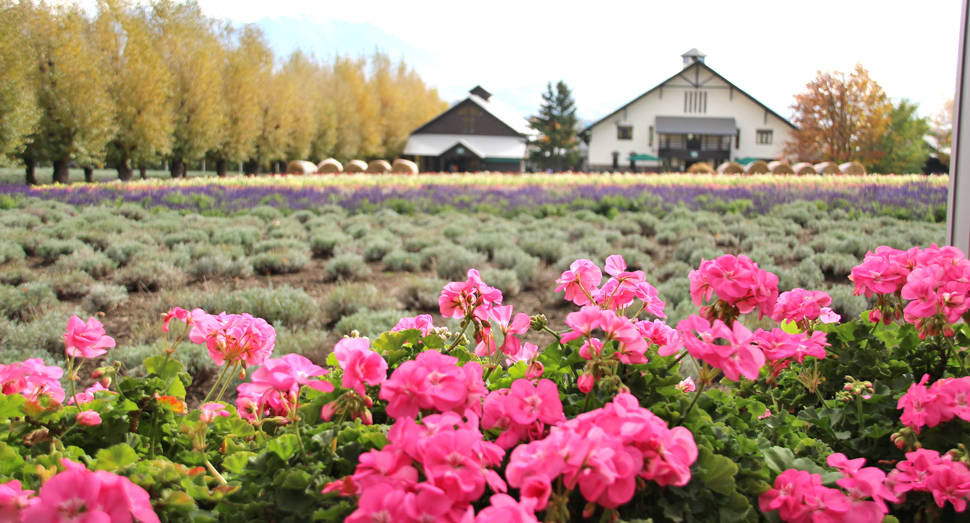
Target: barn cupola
[
  {"x": 693, "y": 56},
  {"x": 480, "y": 92}
]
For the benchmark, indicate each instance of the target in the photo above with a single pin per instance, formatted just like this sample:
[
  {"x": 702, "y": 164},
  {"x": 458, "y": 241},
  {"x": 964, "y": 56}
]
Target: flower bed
[
  {"x": 760, "y": 406},
  {"x": 901, "y": 196}
]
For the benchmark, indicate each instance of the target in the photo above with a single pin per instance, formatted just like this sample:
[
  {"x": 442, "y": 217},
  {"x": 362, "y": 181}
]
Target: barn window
[
  {"x": 624, "y": 132},
  {"x": 695, "y": 102},
  {"x": 765, "y": 136}
]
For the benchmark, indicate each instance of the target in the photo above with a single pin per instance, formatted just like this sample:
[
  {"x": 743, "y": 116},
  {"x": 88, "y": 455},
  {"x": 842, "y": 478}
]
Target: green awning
[
  {"x": 644, "y": 158},
  {"x": 746, "y": 160}
]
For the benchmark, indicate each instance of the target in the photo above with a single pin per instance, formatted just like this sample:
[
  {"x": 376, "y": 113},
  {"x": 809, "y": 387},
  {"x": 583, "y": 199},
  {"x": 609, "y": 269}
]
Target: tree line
[{"x": 134, "y": 85}]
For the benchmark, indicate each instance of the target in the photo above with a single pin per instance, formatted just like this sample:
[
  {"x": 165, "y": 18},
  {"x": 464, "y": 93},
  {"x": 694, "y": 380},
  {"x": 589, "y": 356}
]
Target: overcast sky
[{"x": 610, "y": 52}]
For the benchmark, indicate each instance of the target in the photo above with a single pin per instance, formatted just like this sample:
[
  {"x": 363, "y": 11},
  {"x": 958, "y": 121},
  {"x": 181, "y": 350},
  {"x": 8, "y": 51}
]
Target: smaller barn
[{"x": 478, "y": 133}]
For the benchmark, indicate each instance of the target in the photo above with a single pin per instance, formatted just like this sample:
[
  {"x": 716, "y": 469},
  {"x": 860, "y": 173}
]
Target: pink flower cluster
[
  {"x": 32, "y": 379},
  {"x": 734, "y": 350},
  {"x": 926, "y": 471},
  {"x": 581, "y": 286},
  {"x": 88, "y": 395},
  {"x": 422, "y": 322},
  {"x": 86, "y": 340},
  {"x": 77, "y": 494},
  {"x": 434, "y": 381},
  {"x": 737, "y": 281},
  {"x": 799, "y": 496},
  {"x": 631, "y": 345},
  {"x": 468, "y": 299},
  {"x": 604, "y": 451},
  {"x": 800, "y": 306},
  {"x": 455, "y": 460},
  {"x": 929, "y": 406},
  {"x": 231, "y": 338},
  {"x": 935, "y": 280},
  {"x": 501, "y": 320},
  {"x": 523, "y": 411},
  {"x": 781, "y": 348},
  {"x": 274, "y": 387},
  {"x": 360, "y": 364}
]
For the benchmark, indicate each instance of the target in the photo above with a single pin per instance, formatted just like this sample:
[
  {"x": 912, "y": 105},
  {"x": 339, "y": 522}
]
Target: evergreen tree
[
  {"x": 904, "y": 148},
  {"x": 556, "y": 122}
]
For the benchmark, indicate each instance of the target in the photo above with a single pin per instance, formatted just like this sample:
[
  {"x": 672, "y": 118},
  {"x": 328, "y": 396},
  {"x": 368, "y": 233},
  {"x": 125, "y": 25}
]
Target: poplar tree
[
  {"x": 139, "y": 84},
  {"x": 76, "y": 109},
  {"x": 191, "y": 49},
  {"x": 301, "y": 74},
  {"x": 246, "y": 55},
  {"x": 18, "y": 102}
]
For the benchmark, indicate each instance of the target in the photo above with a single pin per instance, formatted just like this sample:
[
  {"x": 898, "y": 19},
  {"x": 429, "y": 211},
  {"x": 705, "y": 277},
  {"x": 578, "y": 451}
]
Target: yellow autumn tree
[
  {"x": 300, "y": 72},
  {"x": 191, "y": 48},
  {"x": 18, "y": 101},
  {"x": 247, "y": 54},
  {"x": 139, "y": 84}
]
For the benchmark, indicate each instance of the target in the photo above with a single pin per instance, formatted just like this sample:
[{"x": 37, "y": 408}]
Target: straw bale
[
  {"x": 701, "y": 167},
  {"x": 378, "y": 166},
  {"x": 301, "y": 167},
  {"x": 355, "y": 166},
  {"x": 757, "y": 167},
  {"x": 730, "y": 168},
  {"x": 852, "y": 168},
  {"x": 404, "y": 166},
  {"x": 780, "y": 168},
  {"x": 330, "y": 166},
  {"x": 827, "y": 168},
  {"x": 804, "y": 168}
]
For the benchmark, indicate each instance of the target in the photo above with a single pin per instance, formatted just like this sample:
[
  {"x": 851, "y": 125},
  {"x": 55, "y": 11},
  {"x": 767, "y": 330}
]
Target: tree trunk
[
  {"x": 125, "y": 172},
  {"x": 62, "y": 172},
  {"x": 30, "y": 165},
  {"x": 251, "y": 167},
  {"x": 177, "y": 168},
  {"x": 221, "y": 168},
  {"x": 144, "y": 171},
  {"x": 89, "y": 174}
]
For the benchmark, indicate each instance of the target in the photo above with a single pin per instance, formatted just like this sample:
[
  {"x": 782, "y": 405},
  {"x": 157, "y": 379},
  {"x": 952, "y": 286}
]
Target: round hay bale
[
  {"x": 301, "y": 167},
  {"x": 378, "y": 166},
  {"x": 330, "y": 166},
  {"x": 404, "y": 166},
  {"x": 827, "y": 168},
  {"x": 730, "y": 168},
  {"x": 852, "y": 168},
  {"x": 757, "y": 167},
  {"x": 803, "y": 168},
  {"x": 355, "y": 166},
  {"x": 780, "y": 168},
  {"x": 701, "y": 167}
]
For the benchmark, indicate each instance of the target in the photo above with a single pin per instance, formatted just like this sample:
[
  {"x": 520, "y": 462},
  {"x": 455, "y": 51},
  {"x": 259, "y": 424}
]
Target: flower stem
[
  {"x": 216, "y": 384},
  {"x": 697, "y": 395},
  {"x": 296, "y": 427},
  {"x": 151, "y": 451},
  {"x": 589, "y": 396},
  {"x": 858, "y": 402},
  {"x": 228, "y": 380},
  {"x": 956, "y": 356},
  {"x": 677, "y": 360},
  {"x": 213, "y": 470},
  {"x": 458, "y": 338}
]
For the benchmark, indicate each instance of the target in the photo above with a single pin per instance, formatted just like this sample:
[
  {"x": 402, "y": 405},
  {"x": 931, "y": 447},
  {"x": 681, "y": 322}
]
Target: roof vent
[
  {"x": 481, "y": 93},
  {"x": 693, "y": 56}
]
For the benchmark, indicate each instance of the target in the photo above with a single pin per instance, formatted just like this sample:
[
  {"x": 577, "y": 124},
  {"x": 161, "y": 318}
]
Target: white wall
[{"x": 641, "y": 114}]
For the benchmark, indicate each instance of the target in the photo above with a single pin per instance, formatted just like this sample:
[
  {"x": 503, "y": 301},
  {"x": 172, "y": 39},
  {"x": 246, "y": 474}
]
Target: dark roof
[
  {"x": 695, "y": 64},
  {"x": 694, "y": 52},
  {"x": 695, "y": 125}
]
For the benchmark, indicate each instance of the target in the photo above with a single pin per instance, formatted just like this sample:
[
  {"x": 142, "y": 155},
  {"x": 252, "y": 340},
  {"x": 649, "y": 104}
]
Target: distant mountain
[{"x": 327, "y": 37}]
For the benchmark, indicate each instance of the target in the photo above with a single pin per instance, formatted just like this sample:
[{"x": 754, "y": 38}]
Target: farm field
[{"x": 321, "y": 257}]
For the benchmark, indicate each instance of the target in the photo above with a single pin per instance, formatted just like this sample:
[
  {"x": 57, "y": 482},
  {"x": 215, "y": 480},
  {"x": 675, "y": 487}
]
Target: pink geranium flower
[
  {"x": 210, "y": 411},
  {"x": 580, "y": 281},
  {"x": 88, "y": 418},
  {"x": 86, "y": 340},
  {"x": 422, "y": 322},
  {"x": 234, "y": 338},
  {"x": 798, "y": 305},
  {"x": 360, "y": 364}
]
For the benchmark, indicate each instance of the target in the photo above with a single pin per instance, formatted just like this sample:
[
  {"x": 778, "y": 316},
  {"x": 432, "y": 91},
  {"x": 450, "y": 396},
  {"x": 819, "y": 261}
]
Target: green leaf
[
  {"x": 237, "y": 461},
  {"x": 241, "y": 427},
  {"x": 284, "y": 446},
  {"x": 296, "y": 479},
  {"x": 332, "y": 360},
  {"x": 10, "y": 460},
  {"x": 790, "y": 327},
  {"x": 116, "y": 457},
  {"x": 778, "y": 459},
  {"x": 717, "y": 471},
  {"x": 166, "y": 369},
  {"x": 10, "y": 406}
]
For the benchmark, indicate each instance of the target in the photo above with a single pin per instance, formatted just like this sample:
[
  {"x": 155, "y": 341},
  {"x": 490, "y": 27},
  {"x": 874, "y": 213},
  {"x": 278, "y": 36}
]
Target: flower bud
[
  {"x": 328, "y": 411},
  {"x": 534, "y": 370},
  {"x": 97, "y": 374},
  {"x": 589, "y": 509},
  {"x": 367, "y": 418},
  {"x": 538, "y": 322},
  {"x": 586, "y": 382},
  {"x": 368, "y": 402},
  {"x": 106, "y": 382}
]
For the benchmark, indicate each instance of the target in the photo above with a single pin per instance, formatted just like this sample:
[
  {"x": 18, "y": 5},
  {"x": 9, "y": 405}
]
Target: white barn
[{"x": 695, "y": 115}]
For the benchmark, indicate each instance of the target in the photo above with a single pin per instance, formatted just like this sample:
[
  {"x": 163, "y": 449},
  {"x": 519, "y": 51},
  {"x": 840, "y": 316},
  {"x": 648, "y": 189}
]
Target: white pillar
[{"x": 958, "y": 199}]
